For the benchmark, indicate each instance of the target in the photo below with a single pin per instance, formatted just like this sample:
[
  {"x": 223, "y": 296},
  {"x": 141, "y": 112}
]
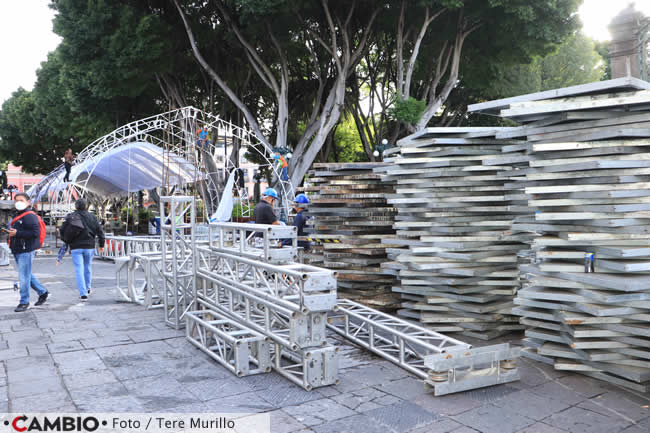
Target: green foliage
[
  {"x": 347, "y": 143},
  {"x": 124, "y": 59},
  {"x": 575, "y": 62},
  {"x": 145, "y": 214},
  {"x": 240, "y": 209},
  {"x": 126, "y": 213},
  {"x": 408, "y": 111},
  {"x": 602, "y": 48}
]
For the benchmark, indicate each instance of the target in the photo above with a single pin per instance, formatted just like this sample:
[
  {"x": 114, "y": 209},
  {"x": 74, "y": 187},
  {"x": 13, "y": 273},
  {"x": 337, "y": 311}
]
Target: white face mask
[{"x": 21, "y": 205}]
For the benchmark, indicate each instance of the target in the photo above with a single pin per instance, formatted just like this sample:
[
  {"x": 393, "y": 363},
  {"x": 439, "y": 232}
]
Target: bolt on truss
[
  {"x": 241, "y": 350},
  {"x": 178, "y": 244},
  {"x": 460, "y": 369},
  {"x": 420, "y": 351}
]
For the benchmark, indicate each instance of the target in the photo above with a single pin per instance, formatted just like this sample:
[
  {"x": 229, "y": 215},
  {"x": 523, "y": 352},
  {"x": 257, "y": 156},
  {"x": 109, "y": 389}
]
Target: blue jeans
[
  {"x": 25, "y": 277},
  {"x": 83, "y": 260}
]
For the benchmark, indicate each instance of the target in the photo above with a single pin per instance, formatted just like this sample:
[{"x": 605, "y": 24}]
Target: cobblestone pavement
[{"x": 105, "y": 356}]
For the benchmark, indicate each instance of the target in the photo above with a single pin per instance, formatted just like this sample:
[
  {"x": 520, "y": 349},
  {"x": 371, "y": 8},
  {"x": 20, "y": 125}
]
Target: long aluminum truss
[
  {"x": 280, "y": 320},
  {"x": 241, "y": 350},
  {"x": 311, "y": 288},
  {"x": 449, "y": 365},
  {"x": 177, "y": 221}
]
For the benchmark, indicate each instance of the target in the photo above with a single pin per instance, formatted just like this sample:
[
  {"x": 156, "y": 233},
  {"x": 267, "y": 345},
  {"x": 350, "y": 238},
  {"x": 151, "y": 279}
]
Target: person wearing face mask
[{"x": 24, "y": 240}]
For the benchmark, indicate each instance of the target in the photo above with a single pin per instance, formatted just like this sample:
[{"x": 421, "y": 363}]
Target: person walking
[
  {"x": 68, "y": 158},
  {"x": 24, "y": 239},
  {"x": 79, "y": 231}
]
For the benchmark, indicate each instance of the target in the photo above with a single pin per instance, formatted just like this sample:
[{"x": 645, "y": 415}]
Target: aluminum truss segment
[
  {"x": 178, "y": 248},
  {"x": 309, "y": 368},
  {"x": 449, "y": 365},
  {"x": 146, "y": 292},
  {"x": 463, "y": 369},
  {"x": 122, "y": 246},
  {"x": 241, "y": 350},
  {"x": 311, "y": 288},
  {"x": 255, "y": 241},
  {"x": 285, "y": 325}
]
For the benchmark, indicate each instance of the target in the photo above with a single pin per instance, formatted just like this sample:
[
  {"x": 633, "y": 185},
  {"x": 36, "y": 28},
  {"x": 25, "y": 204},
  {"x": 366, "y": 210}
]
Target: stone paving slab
[
  {"x": 578, "y": 420},
  {"x": 108, "y": 356}
]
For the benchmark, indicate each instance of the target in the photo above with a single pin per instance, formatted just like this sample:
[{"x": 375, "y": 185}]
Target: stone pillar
[{"x": 625, "y": 46}]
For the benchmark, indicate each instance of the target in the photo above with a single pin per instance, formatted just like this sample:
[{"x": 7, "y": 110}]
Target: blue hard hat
[
  {"x": 302, "y": 199},
  {"x": 270, "y": 192}
]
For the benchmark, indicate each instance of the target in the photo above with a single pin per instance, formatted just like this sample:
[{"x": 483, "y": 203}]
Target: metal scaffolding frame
[
  {"x": 246, "y": 304},
  {"x": 175, "y": 132},
  {"x": 245, "y": 276},
  {"x": 282, "y": 321}
]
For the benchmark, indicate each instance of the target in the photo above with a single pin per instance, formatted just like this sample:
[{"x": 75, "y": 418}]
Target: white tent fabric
[
  {"x": 224, "y": 211},
  {"x": 132, "y": 167}
]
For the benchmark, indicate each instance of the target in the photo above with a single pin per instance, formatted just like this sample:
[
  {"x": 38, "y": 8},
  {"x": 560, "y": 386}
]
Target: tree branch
[
  {"x": 400, "y": 49},
  {"x": 330, "y": 23},
  {"x": 252, "y": 52},
  {"x": 416, "y": 50},
  {"x": 252, "y": 122}
]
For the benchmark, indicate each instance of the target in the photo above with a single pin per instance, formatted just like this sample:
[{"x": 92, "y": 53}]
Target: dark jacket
[
  {"x": 300, "y": 221},
  {"x": 86, "y": 239},
  {"x": 263, "y": 213},
  {"x": 27, "y": 233}
]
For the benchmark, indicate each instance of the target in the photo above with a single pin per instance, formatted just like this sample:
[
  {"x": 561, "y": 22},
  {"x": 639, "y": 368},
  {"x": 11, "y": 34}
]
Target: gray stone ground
[{"x": 105, "y": 356}]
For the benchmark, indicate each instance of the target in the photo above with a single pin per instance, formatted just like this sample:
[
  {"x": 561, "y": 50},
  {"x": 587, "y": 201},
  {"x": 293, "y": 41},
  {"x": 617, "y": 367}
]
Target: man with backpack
[
  {"x": 79, "y": 231},
  {"x": 26, "y": 235}
]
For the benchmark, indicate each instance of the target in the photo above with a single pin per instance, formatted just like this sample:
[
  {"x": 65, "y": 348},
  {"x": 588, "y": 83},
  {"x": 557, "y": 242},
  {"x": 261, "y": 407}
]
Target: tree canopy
[{"x": 298, "y": 73}]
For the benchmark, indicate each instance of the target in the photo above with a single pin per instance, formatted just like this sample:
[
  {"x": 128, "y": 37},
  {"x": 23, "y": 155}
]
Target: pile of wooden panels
[
  {"x": 458, "y": 269},
  {"x": 349, "y": 219},
  {"x": 586, "y": 302}
]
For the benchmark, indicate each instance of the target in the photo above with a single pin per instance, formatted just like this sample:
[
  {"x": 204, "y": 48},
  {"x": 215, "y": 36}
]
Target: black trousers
[{"x": 68, "y": 167}]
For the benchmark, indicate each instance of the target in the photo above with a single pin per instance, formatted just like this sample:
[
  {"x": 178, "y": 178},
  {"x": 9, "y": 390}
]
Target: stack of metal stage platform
[{"x": 586, "y": 300}]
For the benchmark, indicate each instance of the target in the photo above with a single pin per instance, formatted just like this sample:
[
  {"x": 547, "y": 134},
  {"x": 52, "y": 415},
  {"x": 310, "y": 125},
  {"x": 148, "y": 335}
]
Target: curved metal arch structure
[{"x": 187, "y": 158}]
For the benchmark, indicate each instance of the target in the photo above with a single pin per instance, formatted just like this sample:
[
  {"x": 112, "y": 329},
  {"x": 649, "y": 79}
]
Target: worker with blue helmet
[
  {"x": 263, "y": 212},
  {"x": 270, "y": 192},
  {"x": 300, "y": 220}
]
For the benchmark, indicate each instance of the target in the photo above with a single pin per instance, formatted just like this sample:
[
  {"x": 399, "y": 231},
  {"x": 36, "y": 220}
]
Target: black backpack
[{"x": 74, "y": 229}]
